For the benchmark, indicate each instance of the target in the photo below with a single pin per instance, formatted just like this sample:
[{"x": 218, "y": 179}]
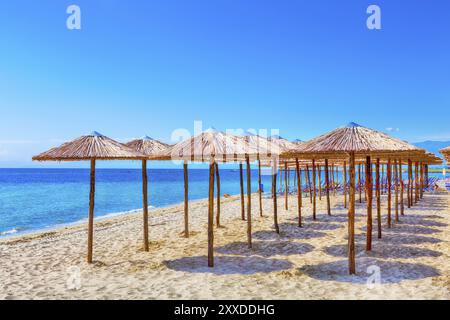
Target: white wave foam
[{"x": 12, "y": 231}]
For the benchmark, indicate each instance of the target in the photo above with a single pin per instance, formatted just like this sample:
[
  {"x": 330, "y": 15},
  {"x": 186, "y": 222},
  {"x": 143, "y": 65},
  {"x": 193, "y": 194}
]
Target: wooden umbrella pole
[
  {"x": 275, "y": 205},
  {"x": 186, "y": 200},
  {"x": 281, "y": 180},
  {"x": 389, "y": 185},
  {"x": 411, "y": 189},
  {"x": 319, "y": 173},
  {"x": 260, "y": 188},
  {"x": 426, "y": 177},
  {"x": 416, "y": 182},
  {"x": 299, "y": 192},
  {"x": 345, "y": 185},
  {"x": 211, "y": 216},
  {"x": 378, "y": 195},
  {"x": 216, "y": 165},
  {"x": 409, "y": 184},
  {"x": 314, "y": 188},
  {"x": 145, "y": 203},
  {"x": 382, "y": 179},
  {"x": 327, "y": 187},
  {"x": 396, "y": 179},
  {"x": 286, "y": 188},
  {"x": 351, "y": 218},
  {"x": 308, "y": 181},
  {"x": 91, "y": 213},
  {"x": 359, "y": 183},
  {"x": 402, "y": 187},
  {"x": 249, "y": 204},
  {"x": 242, "y": 191},
  {"x": 365, "y": 189},
  {"x": 421, "y": 180},
  {"x": 332, "y": 179},
  {"x": 288, "y": 179},
  {"x": 369, "y": 203}
]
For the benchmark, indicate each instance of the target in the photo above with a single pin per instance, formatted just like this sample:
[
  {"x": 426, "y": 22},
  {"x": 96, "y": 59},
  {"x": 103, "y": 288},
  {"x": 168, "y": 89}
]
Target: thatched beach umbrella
[
  {"x": 215, "y": 146},
  {"x": 263, "y": 145},
  {"x": 446, "y": 153},
  {"x": 351, "y": 142},
  {"x": 149, "y": 147},
  {"x": 92, "y": 147}
]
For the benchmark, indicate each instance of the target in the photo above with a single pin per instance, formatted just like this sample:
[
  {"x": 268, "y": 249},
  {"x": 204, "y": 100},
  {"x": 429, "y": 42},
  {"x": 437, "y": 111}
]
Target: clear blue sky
[{"x": 149, "y": 67}]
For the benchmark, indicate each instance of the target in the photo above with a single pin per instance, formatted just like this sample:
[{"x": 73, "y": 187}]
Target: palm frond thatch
[{"x": 88, "y": 147}]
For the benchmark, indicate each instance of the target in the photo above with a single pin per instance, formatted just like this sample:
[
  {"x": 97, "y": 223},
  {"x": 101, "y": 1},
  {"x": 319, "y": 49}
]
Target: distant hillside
[{"x": 433, "y": 146}]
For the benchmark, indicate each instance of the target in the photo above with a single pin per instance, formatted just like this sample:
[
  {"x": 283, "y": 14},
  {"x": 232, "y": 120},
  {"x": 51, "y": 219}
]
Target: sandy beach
[{"x": 413, "y": 257}]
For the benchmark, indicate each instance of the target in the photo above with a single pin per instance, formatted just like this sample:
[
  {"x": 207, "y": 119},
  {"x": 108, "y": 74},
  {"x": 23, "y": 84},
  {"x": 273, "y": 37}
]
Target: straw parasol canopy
[
  {"x": 147, "y": 146},
  {"x": 94, "y": 146},
  {"x": 213, "y": 145},
  {"x": 353, "y": 138},
  {"x": 284, "y": 144},
  {"x": 91, "y": 146},
  {"x": 446, "y": 153}
]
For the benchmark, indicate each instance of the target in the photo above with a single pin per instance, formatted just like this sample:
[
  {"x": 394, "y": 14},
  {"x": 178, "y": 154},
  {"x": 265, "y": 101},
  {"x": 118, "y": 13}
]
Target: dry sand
[{"x": 300, "y": 263}]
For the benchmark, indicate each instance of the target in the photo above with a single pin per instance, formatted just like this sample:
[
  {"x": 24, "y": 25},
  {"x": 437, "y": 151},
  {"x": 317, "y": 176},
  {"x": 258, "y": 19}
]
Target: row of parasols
[{"x": 341, "y": 149}]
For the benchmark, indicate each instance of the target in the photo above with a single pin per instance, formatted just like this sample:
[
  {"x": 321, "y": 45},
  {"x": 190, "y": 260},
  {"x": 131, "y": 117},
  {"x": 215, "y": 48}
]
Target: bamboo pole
[
  {"x": 145, "y": 203},
  {"x": 285, "y": 186},
  {"x": 186, "y": 200},
  {"x": 259, "y": 188},
  {"x": 211, "y": 216},
  {"x": 216, "y": 165},
  {"x": 249, "y": 204},
  {"x": 378, "y": 195},
  {"x": 396, "y": 179},
  {"x": 242, "y": 191},
  {"x": 368, "y": 172},
  {"x": 327, "y": 187},
  {"x": 389, "y": 185},
  {"x": 345, "y": 185},
  {"x": 275, "y": 205},
  {"x": 91, "y": 213},
  {"x": 308, "y": 178},
  {"x": 351, "y": 218},
  {"x": 299, "y": 192},
  {"x": 314, "y": 189}
]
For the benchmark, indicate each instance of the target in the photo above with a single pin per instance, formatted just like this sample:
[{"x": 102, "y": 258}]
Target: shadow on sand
[
  {"x": 288, "y": 231},
  {"x": 383, "y": 250},
  {"x": 266, "y": 248},
  {"x": 390, "y": 271},
  {"x": 228, "y": 265}
]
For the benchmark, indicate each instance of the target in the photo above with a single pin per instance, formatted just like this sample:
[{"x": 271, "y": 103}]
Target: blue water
[{"x": 32, "y": 199}]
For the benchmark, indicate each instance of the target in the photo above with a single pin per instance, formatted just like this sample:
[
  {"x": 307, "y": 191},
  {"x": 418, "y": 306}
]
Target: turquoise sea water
[{"x": 32, "y": 199}]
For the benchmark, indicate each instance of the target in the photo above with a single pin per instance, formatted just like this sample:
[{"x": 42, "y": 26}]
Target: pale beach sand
[{"x": 301, "y": 263}]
